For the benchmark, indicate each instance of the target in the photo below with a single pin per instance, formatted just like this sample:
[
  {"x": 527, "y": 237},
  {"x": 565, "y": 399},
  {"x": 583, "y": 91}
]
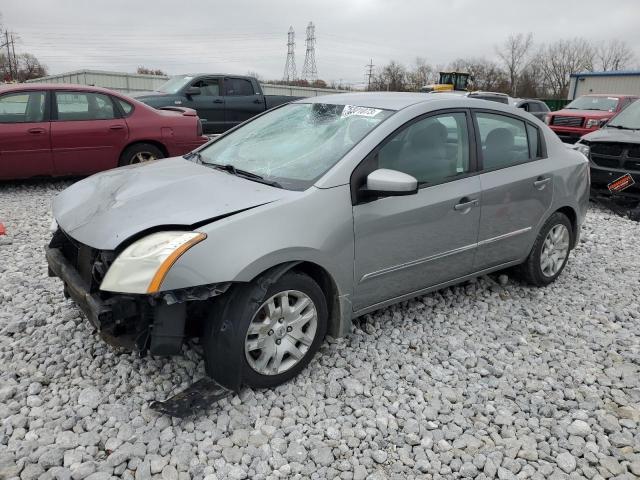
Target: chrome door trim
[
  {"x": 437, "y": 256},
  {"x": 419, "y": 261},
  {"x": 503, "y": 236}
]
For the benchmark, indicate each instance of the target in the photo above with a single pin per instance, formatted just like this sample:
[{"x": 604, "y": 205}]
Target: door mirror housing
[
  {"x": 192, "y": 91},
  {"x": 385, "y": 182}
]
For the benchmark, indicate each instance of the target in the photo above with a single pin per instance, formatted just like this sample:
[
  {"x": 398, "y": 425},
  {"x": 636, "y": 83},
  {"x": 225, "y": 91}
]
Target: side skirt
[{"x": 433, "y": 288}]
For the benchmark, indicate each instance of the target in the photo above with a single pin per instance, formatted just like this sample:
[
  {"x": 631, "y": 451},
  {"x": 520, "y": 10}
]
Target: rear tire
[
  {"x": 550, "y": 251},
  {"x": 272, "y": 344},
  {"x": 139, "y": 153}
]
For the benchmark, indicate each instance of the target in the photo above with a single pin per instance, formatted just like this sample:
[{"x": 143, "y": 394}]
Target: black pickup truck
[{"x": 222, "y": 101}]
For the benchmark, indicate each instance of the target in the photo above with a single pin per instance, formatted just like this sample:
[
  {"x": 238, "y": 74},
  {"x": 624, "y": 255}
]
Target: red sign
[{"x": 621, "y": 183}]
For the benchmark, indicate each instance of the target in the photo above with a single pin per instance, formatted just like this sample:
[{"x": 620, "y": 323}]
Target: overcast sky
[{"x": 241, "y": 36}]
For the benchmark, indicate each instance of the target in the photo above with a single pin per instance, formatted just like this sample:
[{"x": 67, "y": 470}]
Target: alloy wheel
[
  {"x": 554, "y": 250},
  {"x": 281, "y": 332},
  {"x": 140, "y": 157}
]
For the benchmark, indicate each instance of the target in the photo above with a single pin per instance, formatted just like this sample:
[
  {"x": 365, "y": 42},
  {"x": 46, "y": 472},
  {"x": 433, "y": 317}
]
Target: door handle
[
  {"x": 36, "y": 131},
  {"x": 465, "y": 204},
  {"x": 217, "y": 100},
  {"x": 116, "y": 127},
  {"x": 541, "y": 182}
]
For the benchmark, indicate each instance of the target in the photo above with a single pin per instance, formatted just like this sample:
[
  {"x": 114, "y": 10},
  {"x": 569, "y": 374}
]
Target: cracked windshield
[{"x": 294, "y": 145}]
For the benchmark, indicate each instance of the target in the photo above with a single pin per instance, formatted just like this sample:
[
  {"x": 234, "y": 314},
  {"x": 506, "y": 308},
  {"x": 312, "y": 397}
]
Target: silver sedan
[{"x": 284, "y": 229}]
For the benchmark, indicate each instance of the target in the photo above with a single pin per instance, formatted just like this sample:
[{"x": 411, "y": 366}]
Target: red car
[
  {"x": 586, "y": 114},
  {"x": 60, "y": 130}
]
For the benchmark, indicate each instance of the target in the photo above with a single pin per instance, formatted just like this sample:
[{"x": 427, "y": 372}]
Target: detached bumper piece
[{"x": 198, "y": 397}]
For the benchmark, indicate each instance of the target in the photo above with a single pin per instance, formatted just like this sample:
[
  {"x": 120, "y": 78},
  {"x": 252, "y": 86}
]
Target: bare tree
[
  {"x": 30, "y": 67},
  {"x": 514, "y": 54},
  {"x": 420, "y": 75},
  {"x": 613, "y": 55},
  {"x": 559, "y": 60},
  {"x": 487, "y": 74},
  {"x": 142, "y": 70},
  {"x": 391, "y": 77}
]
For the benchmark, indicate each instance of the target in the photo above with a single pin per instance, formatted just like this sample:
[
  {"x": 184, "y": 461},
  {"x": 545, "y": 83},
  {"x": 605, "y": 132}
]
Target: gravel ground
[{"x": 488, "y": 379}]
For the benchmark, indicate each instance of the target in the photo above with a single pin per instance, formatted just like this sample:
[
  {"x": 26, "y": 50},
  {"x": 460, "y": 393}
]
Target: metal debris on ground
[{"x": 196, "y": 398}]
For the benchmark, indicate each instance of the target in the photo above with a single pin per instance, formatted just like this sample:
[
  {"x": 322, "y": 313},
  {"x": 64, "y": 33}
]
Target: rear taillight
[{"x": 199, "y": 128}]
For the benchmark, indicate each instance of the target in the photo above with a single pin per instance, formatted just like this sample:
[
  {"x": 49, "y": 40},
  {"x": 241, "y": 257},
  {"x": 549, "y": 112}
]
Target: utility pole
[
  {"x": 290, "y": 65},
  {"x": 310, "y": 70},
  {"x": 369, "y": 73},
  {"x": 15, "y": 59},
  {"x": 7, "y": 44}
]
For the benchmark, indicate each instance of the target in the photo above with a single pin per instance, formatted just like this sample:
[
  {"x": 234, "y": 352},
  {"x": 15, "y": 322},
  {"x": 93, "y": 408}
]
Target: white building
[{"x": 620, "y": 82}]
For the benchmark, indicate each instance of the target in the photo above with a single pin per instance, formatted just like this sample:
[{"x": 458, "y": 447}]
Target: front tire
[
  {"x": 550, "y": 251},
  {"x": 277, "y": 335}
]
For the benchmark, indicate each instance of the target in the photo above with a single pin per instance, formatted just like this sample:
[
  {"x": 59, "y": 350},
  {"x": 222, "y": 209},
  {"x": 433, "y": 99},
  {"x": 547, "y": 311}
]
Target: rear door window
[
  {"x": 74, "y": 106},
  {"x": 22, "y": 107},
  {"x": 504, "y": 141}
]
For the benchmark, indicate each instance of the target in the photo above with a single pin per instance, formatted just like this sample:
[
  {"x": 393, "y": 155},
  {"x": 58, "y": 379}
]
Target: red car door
[
  {"x": 25, "y": 143},
  {"x": 87, "y": 135}
]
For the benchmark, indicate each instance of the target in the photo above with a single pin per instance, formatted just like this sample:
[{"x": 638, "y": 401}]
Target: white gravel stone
[{"x": 489, "y": 379}]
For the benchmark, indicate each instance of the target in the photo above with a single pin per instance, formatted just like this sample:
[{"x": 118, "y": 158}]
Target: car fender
[{"x": 315, "y": 226}]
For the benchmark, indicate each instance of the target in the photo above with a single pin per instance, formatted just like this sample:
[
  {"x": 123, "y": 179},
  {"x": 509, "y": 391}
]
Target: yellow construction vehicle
[{"x": 449, "y": 82}]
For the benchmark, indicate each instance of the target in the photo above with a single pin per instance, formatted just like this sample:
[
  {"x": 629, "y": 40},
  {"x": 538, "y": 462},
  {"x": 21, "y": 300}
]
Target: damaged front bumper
[{"x": 145, "y": 323}]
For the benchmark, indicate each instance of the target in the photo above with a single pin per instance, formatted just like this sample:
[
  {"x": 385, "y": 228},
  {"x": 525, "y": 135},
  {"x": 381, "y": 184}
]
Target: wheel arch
[
  {"x": 336, "y": 321},
  {"x": 572, "y": 215}
]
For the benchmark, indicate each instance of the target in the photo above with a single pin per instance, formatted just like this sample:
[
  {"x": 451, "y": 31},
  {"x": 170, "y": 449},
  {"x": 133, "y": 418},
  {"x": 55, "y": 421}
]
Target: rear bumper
[{"x": 181, "y": 148}]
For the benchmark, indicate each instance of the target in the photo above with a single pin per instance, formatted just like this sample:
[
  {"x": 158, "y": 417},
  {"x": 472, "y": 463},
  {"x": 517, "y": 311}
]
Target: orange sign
[{"x": 621, "y": 183}]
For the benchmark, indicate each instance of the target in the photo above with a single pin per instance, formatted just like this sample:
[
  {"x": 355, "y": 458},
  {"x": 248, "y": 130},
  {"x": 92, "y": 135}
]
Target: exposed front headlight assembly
[
  {"x": 583, "y": 149},
  {"x": 144, "y": 264},
  {"x": 593, "y": 123}
]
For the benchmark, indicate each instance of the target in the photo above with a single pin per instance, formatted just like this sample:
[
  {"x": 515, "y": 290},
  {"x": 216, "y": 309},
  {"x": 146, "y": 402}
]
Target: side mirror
[
  {"x": 192, "y": 91},
  {"x": 385, "y": 182}
]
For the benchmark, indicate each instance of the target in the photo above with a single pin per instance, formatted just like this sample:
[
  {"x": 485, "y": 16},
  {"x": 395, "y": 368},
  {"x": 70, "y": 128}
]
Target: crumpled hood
[
  {"x": 610, "y": 134},
  {"x": 107, "y": 208}
]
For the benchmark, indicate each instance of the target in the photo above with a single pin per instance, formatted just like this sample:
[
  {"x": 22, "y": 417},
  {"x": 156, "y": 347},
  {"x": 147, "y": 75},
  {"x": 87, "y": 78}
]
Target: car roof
[
  {"x": 382, "y": 100},
  {"x": 55, "y": 86}
]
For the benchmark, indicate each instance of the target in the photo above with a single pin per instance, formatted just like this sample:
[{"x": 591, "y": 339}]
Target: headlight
[
  {"x": 593, "y": 122},
  {"x": 144, "y": 264},
  {"x": 547, "y": 119},
  {"x": 583, "y": 149}
]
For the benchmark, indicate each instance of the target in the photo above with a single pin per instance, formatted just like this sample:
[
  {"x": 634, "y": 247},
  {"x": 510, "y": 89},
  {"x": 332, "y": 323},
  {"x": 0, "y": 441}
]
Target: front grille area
[
  {"x": 605, "y": 162},
  {"x": 90, "y": 263},
  {"x": 567, "y": 121},
  {"x": 611, "y": 149},
  {"x": 625, "y": 156}
]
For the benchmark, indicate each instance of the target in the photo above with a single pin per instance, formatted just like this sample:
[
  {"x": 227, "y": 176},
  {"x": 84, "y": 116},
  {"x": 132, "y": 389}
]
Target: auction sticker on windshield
[
  {"x": 621, "y": 183},
  {"x": 351, "y": 110}
]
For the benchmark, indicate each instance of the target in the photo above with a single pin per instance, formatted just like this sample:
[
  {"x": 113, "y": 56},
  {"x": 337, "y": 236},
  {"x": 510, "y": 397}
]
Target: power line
[
  {"x": 310, "y": 70},
  {"x": 290, "y": 65}
]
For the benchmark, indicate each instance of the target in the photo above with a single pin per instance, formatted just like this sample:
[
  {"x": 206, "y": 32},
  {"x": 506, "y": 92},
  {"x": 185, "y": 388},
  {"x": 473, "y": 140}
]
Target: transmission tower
[
  {"x": 310, "y": 70},
  {"x": 290, "y": 66},
  {"x": 369, "y": 73}
]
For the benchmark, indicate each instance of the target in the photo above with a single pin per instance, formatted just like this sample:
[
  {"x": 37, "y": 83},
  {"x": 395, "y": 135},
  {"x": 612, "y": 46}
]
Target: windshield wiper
[
  {"x": 243, "y": 173},
  {"x": 621, "y": 127},
  {"x": 191, "y": 155}
]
